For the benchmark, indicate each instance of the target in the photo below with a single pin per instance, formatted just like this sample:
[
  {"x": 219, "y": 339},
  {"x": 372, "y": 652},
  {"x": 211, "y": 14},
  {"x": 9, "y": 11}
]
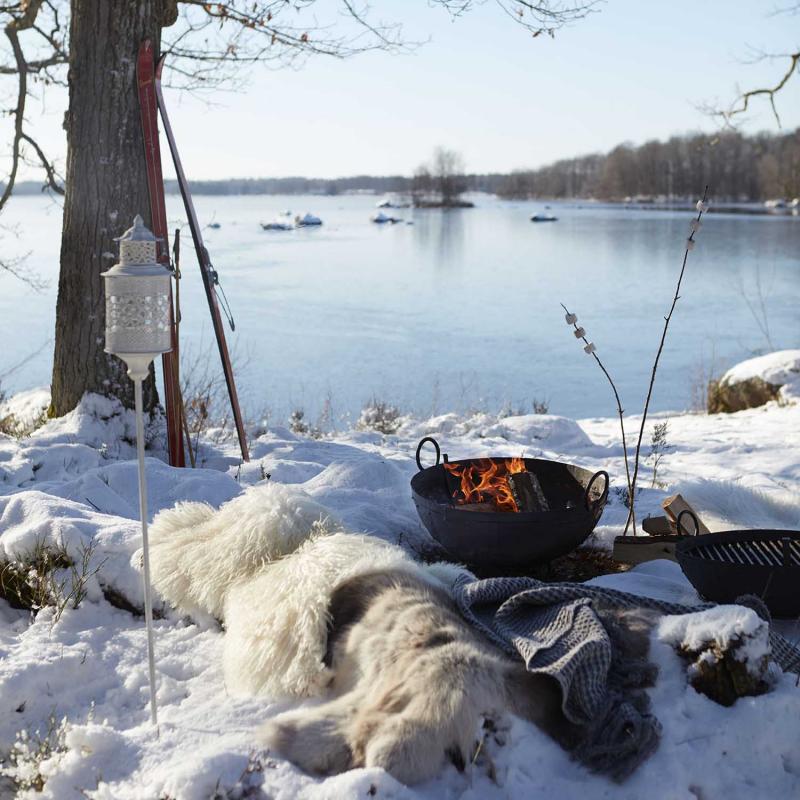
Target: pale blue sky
[{"x": 636, "y": 70}]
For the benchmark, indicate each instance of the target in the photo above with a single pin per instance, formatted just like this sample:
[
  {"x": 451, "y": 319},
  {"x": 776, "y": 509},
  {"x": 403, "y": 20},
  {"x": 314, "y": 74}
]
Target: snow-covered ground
[{"x": 73, "y": 482}]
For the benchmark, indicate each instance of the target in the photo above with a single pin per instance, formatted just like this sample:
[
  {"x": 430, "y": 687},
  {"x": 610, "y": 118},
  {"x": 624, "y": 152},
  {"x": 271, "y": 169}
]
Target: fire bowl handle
[
  {"x": 679, "y": 523},
  {"x": 597, "y": 505},
  {"x": 436, "y": 446}
]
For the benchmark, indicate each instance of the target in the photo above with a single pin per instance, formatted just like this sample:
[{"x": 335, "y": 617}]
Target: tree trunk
[{"x": 106, "y": 186}]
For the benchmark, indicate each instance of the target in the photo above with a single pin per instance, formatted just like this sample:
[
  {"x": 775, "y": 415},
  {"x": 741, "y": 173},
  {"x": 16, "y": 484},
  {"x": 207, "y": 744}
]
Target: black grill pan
[{"x": 722, "y": 566}]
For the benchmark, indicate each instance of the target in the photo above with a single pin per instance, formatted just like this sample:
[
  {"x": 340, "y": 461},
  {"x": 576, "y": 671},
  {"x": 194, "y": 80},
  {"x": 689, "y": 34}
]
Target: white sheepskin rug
[{"x": 266, "y": 564}]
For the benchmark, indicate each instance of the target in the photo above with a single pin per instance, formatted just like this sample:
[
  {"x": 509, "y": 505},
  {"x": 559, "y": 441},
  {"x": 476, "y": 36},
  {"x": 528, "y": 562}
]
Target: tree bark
[{"x": 106, "y": 186}]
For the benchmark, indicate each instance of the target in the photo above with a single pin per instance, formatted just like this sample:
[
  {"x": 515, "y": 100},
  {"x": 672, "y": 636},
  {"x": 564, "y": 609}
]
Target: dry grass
[
  {"x": 11, "y": 425},
  {"x": 381, "y": 417},
  {"x": 23, "y": 763},
  {"x": 46, "y": 577}
]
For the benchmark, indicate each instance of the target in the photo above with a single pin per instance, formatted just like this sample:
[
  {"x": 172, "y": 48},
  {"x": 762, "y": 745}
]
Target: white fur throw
[
  {"x": 199, "y": 552},
  {"x": 266, "y": 563}
]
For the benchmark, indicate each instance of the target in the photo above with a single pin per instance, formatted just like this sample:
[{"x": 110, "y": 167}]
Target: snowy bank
[
  {"x": 73, "y": 483},
  {"x": 775, "y": 376}
]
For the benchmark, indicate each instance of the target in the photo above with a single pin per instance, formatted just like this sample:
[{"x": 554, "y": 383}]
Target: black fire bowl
[{"x": 493, "y": 540}]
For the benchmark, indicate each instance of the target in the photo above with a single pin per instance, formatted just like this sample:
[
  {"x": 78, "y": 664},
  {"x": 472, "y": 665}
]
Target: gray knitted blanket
[{"x": 553, "y": 627}]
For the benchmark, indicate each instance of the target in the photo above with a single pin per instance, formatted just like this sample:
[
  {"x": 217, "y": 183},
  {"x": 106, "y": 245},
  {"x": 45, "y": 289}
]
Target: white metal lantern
[
  {"x": 138, "y": 302},
  {"x": 138, "y": 328}
]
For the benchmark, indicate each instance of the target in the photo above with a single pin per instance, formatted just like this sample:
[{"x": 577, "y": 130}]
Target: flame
[{"x": 486, "y": 480}]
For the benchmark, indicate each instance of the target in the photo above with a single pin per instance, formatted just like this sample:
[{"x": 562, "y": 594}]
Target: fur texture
[
  {"x": 277, "y": 622},
  {"x": 199, "y": 553},
  {"x": 229, "y": 563},
  {"x": 312, "y": 612},
  {"x": 410, "y": 683}
]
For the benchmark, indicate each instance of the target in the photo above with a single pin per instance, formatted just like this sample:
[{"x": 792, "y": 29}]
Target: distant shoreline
[{"x": 221, "y": 189}]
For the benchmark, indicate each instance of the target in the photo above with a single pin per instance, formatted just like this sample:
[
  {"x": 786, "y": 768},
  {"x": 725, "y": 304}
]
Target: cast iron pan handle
[
  {"x": 678, "y": 522},
  {"x": 436, "y": 446},
  {"x": 598, "y": 504}
]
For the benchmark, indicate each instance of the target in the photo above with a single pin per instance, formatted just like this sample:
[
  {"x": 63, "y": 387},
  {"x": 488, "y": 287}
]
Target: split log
[
  {"x": 638, "y": 549},
  {"x": 673, "y": 506},
  {"x": 528, "y": 492}
]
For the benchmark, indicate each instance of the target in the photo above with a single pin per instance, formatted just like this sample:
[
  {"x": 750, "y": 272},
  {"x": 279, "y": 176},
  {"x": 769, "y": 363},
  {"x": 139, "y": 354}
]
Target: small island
[{"x": 441, "y": 183}]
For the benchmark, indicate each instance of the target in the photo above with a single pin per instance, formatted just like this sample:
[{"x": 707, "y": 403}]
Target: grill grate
[{"x": 761, "y": 553}]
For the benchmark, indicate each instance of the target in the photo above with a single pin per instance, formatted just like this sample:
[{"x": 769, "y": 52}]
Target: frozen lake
[{"x": 458, "y": 311}]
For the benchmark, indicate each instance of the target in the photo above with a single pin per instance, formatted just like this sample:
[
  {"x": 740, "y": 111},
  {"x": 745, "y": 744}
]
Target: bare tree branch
[
  {"x": 15, "y": 268},
  {"x": 742, "y": 103},
  {"x": 52, "y": 181},
  {"x": 24, "y": 19}
]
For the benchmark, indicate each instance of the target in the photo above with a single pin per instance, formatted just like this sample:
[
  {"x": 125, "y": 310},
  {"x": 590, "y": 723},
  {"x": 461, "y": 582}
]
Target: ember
[{"x": 485, "y": 480}]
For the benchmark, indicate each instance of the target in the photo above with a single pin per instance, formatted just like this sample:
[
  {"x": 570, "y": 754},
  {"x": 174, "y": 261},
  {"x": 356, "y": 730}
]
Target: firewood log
[{"x": 528, "y": 492}]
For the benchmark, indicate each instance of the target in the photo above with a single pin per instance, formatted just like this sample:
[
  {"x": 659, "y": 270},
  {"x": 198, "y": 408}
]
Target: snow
[
  {"x": 27, "y": 406},
  {"x": 74, "y": 482},
  {"x": 722, "y": 626},
  {"x": 781, "y": 368}
]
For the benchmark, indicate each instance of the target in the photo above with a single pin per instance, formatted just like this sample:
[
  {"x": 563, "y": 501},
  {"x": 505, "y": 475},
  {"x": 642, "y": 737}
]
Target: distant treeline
[
  {"x": 736, "y": 167},
  {"x": 358, "y": 183}
]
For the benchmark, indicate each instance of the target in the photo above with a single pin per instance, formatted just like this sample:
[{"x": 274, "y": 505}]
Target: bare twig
[
  {"x": 742, "y": 103},
  {"x": 758, "y": 309},
  {"x": 49, "y": 169},
  {"x": 689, "y": 246},
  {"x": 620, "y": 412}
]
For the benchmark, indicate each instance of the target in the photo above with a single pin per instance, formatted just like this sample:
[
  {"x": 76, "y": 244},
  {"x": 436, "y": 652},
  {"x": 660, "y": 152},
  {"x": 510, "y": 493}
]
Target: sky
[{"x": 633, "y": 71}]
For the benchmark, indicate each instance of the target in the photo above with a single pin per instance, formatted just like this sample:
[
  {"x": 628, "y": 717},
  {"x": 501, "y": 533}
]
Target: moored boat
[
  {"x": 381, "y": 219},
  {"x": 308, "y": 219},
  {"x": 283, "y": 222}
]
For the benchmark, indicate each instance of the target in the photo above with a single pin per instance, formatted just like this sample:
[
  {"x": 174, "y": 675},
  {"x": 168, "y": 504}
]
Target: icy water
[{"x": 458, "y": 311}]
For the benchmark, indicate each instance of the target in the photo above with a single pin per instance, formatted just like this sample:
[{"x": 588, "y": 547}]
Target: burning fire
[{"x": 485, "y": 480}]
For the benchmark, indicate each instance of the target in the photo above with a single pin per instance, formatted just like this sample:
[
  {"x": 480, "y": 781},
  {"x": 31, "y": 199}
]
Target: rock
[
  {"x": 755, "y": 382},
  {"x": 727, "y": 398},
  {"x": 727, "y": 648}
]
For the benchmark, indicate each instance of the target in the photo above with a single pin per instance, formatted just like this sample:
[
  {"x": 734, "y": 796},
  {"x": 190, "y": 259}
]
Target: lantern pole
[
  {"x": 138, "y": 328},
  {"x": 137, "y": 378}
]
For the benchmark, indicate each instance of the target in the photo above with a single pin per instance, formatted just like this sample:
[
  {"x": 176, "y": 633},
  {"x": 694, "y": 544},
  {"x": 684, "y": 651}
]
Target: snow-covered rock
[
  {"x": 752, "y": 383},
  {"x": 728, "y": 650},
  {"x": 546, "y": 431},
  {"x": 533, "y": 432}
]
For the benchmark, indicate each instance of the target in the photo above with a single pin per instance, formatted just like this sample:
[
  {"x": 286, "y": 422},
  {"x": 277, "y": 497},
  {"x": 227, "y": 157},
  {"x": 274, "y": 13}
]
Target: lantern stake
[
  {"x": 148, "y": 599},
  {"x": 138, "y": 328}
]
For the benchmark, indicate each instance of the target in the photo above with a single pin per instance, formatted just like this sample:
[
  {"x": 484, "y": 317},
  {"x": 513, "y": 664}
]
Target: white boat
[
  {"x": 392, "y": 201},
  {"x": 777, "y": 203},
  {"x": 543, "y": 218},
  {"x": 283, "y": 222},
  {"x": 306, "y": 220},
  {"x": 382, "y": 218}
]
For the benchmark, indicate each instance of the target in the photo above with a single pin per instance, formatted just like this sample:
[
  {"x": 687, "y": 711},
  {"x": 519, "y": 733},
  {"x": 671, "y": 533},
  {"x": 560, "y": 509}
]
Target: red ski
[
  {"x": 145, "y": 75},
  {"x": 207, "y": 271}
]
